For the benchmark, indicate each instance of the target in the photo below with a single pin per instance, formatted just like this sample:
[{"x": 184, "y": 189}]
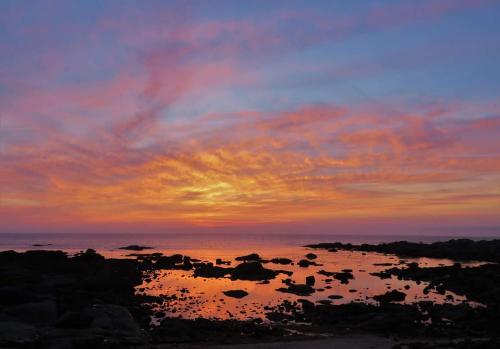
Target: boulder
[{"x": 252, "y": 271}]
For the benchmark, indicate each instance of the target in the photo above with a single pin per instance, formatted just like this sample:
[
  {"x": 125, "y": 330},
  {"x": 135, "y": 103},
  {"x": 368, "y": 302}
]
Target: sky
[{"x": 352, "y": 117}]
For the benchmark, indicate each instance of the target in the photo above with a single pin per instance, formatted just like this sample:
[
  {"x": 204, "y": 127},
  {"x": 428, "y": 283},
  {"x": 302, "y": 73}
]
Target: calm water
[
  {"x": 170, "y": 241},
  {"x": 204, "y": 297}
]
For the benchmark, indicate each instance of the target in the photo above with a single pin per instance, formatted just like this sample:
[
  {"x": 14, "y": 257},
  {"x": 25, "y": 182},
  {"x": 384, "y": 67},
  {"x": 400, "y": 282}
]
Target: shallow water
[
  {"x": 197, "y": 296},
  {"x": 204, "y": 296}
]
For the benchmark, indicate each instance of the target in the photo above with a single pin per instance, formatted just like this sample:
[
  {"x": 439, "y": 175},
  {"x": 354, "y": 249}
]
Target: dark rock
[
  {"x": 284, "y": 261},
  {"x": 250, "y": 257},
  {"x": 310, "y": 280},
  {"x": 219, "y": 261},
  {"x": 209, "y": 271},
  {"x": 311, "y": 256},
  {"x": 304, "y": 263},
  {"x": 344, "y": 277},
  {"x": 17, "y": 334},
  {"x": 39, "y": 313},
  {"x": 135, "y": 248},
  {"x": 335, "y": 296},
  {"x": 392, "y": 296},
  {"x": 236, "y": 293},
  {"x": 75, "y": 319},
  {"x": 326, "y": 273},
  {"x": 297, "y": 289},
  {"x": 253, "y": 271}
]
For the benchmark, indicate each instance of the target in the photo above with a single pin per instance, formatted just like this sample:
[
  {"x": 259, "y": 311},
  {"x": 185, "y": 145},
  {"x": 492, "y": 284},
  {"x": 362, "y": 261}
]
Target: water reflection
[{"x": 192, "y": 297}]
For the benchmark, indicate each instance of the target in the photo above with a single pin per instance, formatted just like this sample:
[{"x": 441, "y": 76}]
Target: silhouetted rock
[
  {"x": 236, "y": 293},
  {"x": 344, "y": 277},
  {"x": 310, "y": 280},
  {"x": 208, "y": 270},
  {"x": 311, "y": 256},
  {"x": 252, "y": 271},
  {"x": 284, "y": 261},
  {"x": 250, "y": 257},
  {"x": 391, "y": 296},
  {"x": 297, "y": 289},
  {"x": 135, "y": 248}
]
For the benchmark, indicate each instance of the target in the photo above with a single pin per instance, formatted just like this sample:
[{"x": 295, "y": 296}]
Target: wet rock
[
  {"x": 169, "y": 262},
  {"x": 326, "y": 273},
  {"x": 210, "y": 271},
  {"x": 219, "y": 261},
  {"x": 310, "y": 280},
  {"x": 253, "y": 271},
  {"x": 304, "y": 263},
  {"x": 391, "y": 296},
  {"x": 311, "y": 256},
  {"x": 297, "y": 289},
  {"x": 344, "y": 277},
  {"x": 135, "y": 248},
  {"x": 335, "y": 296},
  {"x": 250, "y": 257},
  {"x": 284, "y": 261},
  {"x": 236, "y": 293}
]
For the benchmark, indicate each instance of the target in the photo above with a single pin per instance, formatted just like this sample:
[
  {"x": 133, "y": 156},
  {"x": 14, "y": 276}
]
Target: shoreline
[{"x": 90, "y": 300}]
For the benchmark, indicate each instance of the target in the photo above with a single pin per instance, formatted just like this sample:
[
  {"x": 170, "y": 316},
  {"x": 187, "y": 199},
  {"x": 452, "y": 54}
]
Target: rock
[
  {"x": 310, "y": 280},
  {"x": 253, "y": 271},
  {"x": 219, "y": 261},
  {"x": 284, "y": 261},
  {"x": 75, "y": 319},
  {"x": 37, "y": 313},
  {"x": 392, "y": 296},
  {"x": 297, "y": 289},
  {"x": 344, "y": 277},
  {"x": 311, "y": 256},
  {"x": 326, "y": 273},
  {"x": 114, "y": 318},
  {"x": 135, "y": 248},
  {"x": 335, "y": 296},
  {"x": 236, "y": 293},
  {"x": 304, "y": 263},
  {"x": 17, "y": 334},
  {"x": 169, "y": 262},
  {"x": 209, "y": 271},
  {"x": 250, "y": 257}
]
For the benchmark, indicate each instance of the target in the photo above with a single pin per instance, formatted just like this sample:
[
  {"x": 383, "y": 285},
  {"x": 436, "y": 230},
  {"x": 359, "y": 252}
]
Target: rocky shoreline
[{"x": 51, "y": 300}]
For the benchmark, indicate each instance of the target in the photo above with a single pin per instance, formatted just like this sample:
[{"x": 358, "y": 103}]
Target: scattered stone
[
  {"x": 236, "y": 293},
  {"x": 392, "y": 296},
  {"x": 297, "y": 289},
  {"x": 311, "y": 256},
  {"x": 310, "y": 280}
]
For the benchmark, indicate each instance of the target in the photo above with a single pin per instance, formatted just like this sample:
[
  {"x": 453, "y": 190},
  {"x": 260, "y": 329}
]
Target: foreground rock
[{"x": 48, "y": 299}]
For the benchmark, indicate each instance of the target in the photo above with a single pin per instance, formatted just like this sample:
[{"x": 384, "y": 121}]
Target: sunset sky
[{"x": 253, "y": 116}]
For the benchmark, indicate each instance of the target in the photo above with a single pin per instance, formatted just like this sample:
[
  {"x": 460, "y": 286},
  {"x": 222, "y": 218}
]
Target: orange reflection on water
[{"x": 204, "y": 297}]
